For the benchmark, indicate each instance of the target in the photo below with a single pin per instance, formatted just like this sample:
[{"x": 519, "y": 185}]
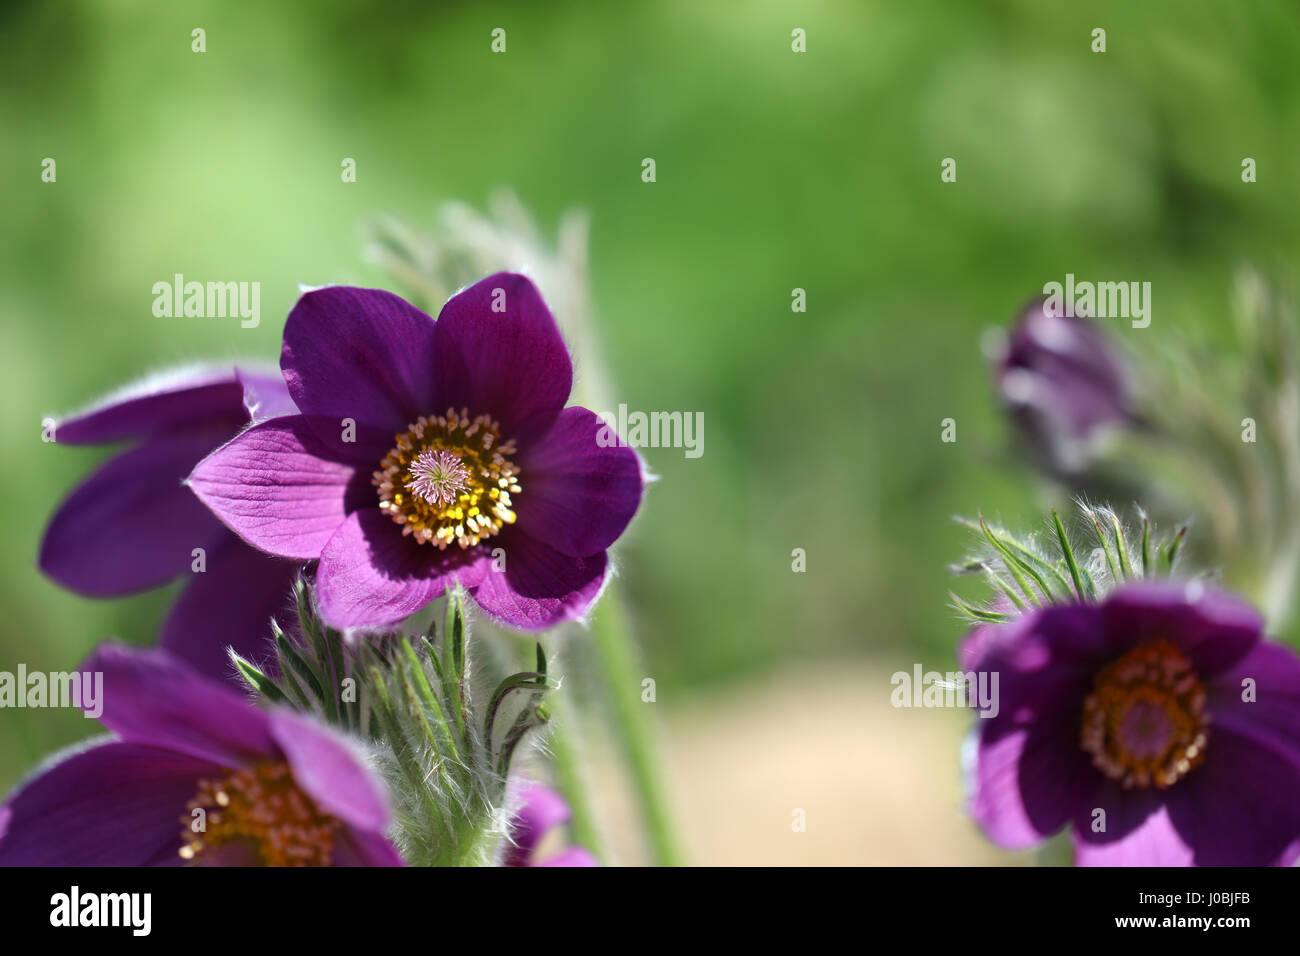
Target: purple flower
[
  {"x": 420, "y": 449},
  {"x": 1062, "y": 382},
  {"x": 133, "y": 525},
  {"x": 1157, "y": 724},
  {"x": 196, "y": 774},
  {"x": 541, "y": 811}
]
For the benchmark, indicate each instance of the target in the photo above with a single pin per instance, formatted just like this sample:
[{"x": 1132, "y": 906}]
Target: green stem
[
  {"x": 616, "y": 661},
  {"x": 570, "y": 778}
]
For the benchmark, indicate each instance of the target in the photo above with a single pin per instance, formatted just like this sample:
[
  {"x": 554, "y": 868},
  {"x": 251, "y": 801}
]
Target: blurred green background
[{"x": 775, "y": 170}]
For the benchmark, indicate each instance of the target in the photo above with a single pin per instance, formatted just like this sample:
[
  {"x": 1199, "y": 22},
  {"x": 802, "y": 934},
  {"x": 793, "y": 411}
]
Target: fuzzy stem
[
  {"x": 616, "y": 660},
  {"x": 570, "y": 778}
]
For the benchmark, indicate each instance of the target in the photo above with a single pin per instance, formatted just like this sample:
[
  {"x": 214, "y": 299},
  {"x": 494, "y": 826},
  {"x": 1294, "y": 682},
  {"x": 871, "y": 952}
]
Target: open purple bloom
[
  {"x": 423, "y": 447},
  {"x": 196, "y": 774},
  {"x": 1157, "y": 724},
  {"x": 133, "y": 525},
  {"x": 541, "y": 812},
  {"x": 1062, "y": 382}
]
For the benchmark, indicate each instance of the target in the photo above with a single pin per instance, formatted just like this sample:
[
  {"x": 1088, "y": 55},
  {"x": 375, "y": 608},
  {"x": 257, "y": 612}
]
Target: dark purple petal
[
  {"x": 512, "y": 365},
  {"x": 1027, "y": 782},
  {"x": 1241, "y": 807},
  {"x": 328, "y": 769},
  {"x": 573, "y": 856},
  {"x": 151, "y": 698},
  {"x": 540, "y": 587},
  {"x": 1063, "y": 382},
  {"x": 265, "y": 394},
  {"x": 371, "y": 574},
  {"x": 191, "y": 397},
  {"x": 579, "y": 495},
  {"x": 274, "y": 487},
  {"x": 362, "y": 354},
  {"x": 1214, "y": 630},
  {"x": 229, "y": 605},
  {"x": 1149, "y": 837},
  {"x": 540, "y": 811},
  {"x": 1272, "y": 717},
  {"x": 132, "y": 524},
  {"x": 111, "y": 804}
]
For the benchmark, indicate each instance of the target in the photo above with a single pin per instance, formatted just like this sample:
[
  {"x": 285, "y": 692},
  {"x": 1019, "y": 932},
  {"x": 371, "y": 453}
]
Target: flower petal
[
  {"x": 230, "y": 604},
  {"x": 573, "y": 856},
  {"x": 511, "y": 364},
  {"x": 151, "y": 698},
  {"x": 580, "y": 494},
  {"x": 109, "y": 804},
  {"x": 541, "y": 810},
  {"x": 1212, "y": 628},
  {"x": 330, "y": 771},
  {"x": 362, "y": 354},
  {"x": 132, "y": 524},
  {"x": 540, "y": 586},
  {"x": 371, "y": 575},
  {"x": 265, "y": 394},
  {"x": 1271, "y": 715},
  {"x": 184, "y": 397},
  {"x": 275, "y": 486},
  {"x": 1241, "y": 807},
  {"x": 360, "y": 848},
  {"x": 1149, "y": 837}
]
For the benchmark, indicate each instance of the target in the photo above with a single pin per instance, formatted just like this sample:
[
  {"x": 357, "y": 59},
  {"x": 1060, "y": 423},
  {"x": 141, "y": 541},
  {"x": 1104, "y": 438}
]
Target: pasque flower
[
  {"x": 1157, "y": 724},
  {"x": 1062, "y": 382},
  {"x": 542, "y": 812},
  {"x": 195, "y": 774},
  {"x": 423, "y": 447},
  {"x": 133, "y": 525}
]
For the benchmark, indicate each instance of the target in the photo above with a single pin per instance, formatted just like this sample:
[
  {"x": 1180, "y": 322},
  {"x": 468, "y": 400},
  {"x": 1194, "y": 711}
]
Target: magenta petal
[
  {"x": 265, "y": 394},
  {"x": 229, "y": 605},
  {"x": 1151, "y": 840},
  {"x": 540, "y": 586},
  {"x": 511, "y": 364},
  {"x": 132, "y": 524},
  {"x": 362, "y": 354},
  {"x": 111, "y": 804},
  {"x": 573, "y": 856},
  {"x": 329, "y": 771},
  {"x": 188, "y": 397},
  {"x": 540, "y": 810},
  {"x": 371, "y": 574},
  {"x": 272, "y": 486},
  {"x": 152, "y": 698},
  {"x": 1215, "y": 630},
  {"x": 579, "y": 495}
]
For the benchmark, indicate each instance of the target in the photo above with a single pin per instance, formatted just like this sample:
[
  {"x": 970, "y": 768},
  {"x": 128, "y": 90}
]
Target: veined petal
[
  {"x": 540, "y": 586},
  {"x": 275, "y": 487},
  {"x": 329, "y": 770}
]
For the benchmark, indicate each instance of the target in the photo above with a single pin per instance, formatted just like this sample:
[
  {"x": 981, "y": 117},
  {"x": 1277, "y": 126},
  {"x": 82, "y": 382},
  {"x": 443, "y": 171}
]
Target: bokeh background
[{"x": 775, "y": 170}]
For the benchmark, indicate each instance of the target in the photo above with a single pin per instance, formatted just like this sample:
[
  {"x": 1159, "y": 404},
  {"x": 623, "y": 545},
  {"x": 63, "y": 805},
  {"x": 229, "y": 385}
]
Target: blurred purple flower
[
  {"x": 541, "y": 811},
  {"x": 1157, "y": 724},
  {"x": 379, "y": 384},
  {"x": 1063, "y": 384},
  {"x": 275, "y": 787},
  {"x": 133, "y": 525}
]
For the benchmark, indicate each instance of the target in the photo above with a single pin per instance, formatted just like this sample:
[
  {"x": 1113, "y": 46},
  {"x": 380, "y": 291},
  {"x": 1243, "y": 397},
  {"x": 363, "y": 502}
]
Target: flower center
[
  {"x": 1145, "y": 722},
  {"x": 257, "y": 815},
  {"x": 449, "y": 480}
]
